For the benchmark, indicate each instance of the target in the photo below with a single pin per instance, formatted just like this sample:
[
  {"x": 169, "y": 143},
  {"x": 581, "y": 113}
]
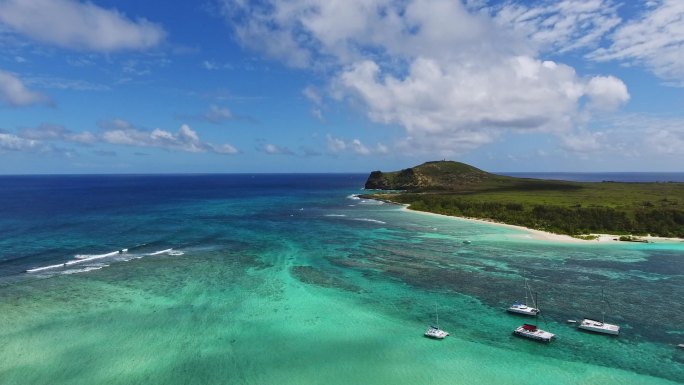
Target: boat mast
[
  {"x": 603, "y": 307},
  {"x": 436, "y": 317}
]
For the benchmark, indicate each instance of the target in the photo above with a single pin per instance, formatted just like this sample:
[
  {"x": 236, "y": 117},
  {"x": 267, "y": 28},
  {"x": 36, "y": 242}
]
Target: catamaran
[
  {"x": 434, "y": 331},
  {"x": 533, "y": 332},
  {"x": 600, "y": 326},
  {"x": 522, "y": 307}
]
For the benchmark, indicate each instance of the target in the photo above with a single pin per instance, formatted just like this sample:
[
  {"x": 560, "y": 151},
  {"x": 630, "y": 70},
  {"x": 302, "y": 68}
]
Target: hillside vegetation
[{"x": 573, "y": 208}]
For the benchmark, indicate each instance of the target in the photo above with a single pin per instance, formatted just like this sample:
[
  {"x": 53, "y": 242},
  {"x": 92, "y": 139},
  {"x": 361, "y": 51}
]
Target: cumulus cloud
[
  {"x": 15, "y": 93},
  {"x": 453, "y": 78},
  {"x": 655, "y": 40},
  {"x": 607, "y": 92},
  {"x": 185, "y": 139},
  {"x": 11, "y": 142},
  {"x": 338, "y": 146},
  {"x": 79, "y": 25}
]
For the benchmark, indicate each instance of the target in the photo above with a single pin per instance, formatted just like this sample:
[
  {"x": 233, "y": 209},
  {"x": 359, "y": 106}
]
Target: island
[{"x": 579, "y": 209}]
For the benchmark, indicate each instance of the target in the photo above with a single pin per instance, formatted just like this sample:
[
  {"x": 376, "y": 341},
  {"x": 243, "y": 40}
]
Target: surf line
[{"x": 79, "y": 259}]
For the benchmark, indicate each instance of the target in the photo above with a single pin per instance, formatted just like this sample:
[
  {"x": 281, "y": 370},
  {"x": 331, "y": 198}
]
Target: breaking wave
[
  {"x": 370, "y": 220},
  {"x": 82, "y": 263}
]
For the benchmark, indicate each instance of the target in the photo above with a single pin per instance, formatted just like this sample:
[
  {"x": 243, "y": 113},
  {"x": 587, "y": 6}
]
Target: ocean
[{"x": 294, "y": 279}]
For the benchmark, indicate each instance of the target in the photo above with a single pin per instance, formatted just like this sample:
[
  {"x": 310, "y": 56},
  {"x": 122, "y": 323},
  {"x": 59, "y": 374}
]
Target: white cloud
[
  {"x": 65, "y": 84},
  {"x": 337, "y": 146},
  {"x": 13, "y": 142},
  {"x": 607, "y": 92},
  {"x": 584, "y": 142},
  {"x": 186, "y": 139},
  {"x": 79, "y": 25},
  {"x": 666, "y": 141},
  {"x": 452, "y": 77},
  {"x": 359, "y": 147},
  {"x": 14, "y": 92},
  {"x": 654, "y": 136},
  {"x": 272, "y": 149},
  {"x": 209, "y": 65},
  {"x": 218, "y": 115},
  {"x": 655, "y": 40},
  {"x": 311, "y": 93},
  {"x": 630, "y": 137},
  {"x": 56, "y": 132},
  {"x": 314, "y": 96},
  {"x": 560, "y": 26}
]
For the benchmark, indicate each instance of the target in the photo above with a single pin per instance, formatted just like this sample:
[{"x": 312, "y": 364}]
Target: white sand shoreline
[{"x": 547, "y": 236}]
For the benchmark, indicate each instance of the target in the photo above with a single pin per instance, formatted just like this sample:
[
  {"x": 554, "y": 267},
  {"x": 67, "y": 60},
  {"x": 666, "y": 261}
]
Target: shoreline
[{"x": 541, "y": 235}]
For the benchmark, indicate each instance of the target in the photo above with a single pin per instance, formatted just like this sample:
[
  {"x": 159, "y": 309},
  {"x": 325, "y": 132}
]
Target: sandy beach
[{"x": 547, "y": 236}]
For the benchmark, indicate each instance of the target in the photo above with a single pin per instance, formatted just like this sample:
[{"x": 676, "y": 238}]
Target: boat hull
[
  {"x": 435, "y": 333},
  {"x": 523, "y": 310},
  {"x": 599, "y": 327}
]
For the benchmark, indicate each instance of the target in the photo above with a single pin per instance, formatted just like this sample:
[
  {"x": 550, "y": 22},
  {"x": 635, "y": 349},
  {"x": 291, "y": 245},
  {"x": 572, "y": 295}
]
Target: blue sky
[{"x": 340, "y": 85}]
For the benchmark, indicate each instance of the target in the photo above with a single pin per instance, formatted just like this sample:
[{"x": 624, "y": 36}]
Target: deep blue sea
[{"x": 294, "y": 279}]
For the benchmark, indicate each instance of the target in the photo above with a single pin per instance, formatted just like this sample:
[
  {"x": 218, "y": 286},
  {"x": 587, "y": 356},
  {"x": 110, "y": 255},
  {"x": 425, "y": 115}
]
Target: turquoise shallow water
[{"x": 307, "y": 286}]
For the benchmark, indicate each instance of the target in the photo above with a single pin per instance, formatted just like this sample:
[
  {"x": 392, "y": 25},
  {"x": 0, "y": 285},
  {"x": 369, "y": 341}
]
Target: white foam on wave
[
  {"x": 161, "y": 252},
  {"x": 79, "y": 259},
  {"x": 37, "y": 269},
  {"x": 370, "y": 220},
  {"x": 167, "y": 252},
  {"x": 335, "y": 215},
  {"x": 371, "y": 202},
  {"x": 83, "y": 270},
  {"x": 354, "y": 197},
  {"x": 95, "y": 256}
]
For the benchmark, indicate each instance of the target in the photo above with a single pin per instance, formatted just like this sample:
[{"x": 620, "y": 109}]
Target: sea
[{"x": 296, "y": 279}]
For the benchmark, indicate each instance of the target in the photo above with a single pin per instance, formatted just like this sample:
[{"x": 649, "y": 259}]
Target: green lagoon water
[{"x": 310, "y": 285}]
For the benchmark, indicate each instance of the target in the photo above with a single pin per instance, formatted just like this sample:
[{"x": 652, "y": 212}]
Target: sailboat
[
  {"x": 600, "y": 326},
  {"x": 434, "y": 331},
  {"x": 523, "y": 308},
  {"x": 532, "y": 332}
]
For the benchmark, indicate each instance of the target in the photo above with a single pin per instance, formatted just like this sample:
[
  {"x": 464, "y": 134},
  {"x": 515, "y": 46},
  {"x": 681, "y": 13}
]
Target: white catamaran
[
  {"x": 434, "y": 331},
  {"x": 533, "y": 332},
  {"x": 600, "y": 326},
  {"x": 523, "y": 307}
]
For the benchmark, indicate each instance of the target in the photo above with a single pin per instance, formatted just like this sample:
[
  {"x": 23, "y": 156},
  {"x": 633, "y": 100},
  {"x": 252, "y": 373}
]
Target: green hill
[
  {"x": 573, "y": 208},
  {"x": 440, "y": 175}
]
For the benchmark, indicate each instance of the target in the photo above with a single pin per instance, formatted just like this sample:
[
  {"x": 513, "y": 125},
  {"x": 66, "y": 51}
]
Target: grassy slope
[{"x": 557, "y": 206}]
